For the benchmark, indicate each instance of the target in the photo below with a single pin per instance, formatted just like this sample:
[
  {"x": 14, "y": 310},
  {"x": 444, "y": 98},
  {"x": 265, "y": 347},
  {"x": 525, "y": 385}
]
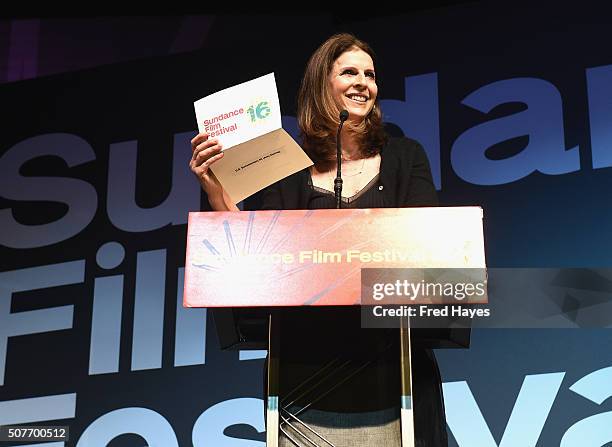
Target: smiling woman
[{"x": 378, "y": 171}]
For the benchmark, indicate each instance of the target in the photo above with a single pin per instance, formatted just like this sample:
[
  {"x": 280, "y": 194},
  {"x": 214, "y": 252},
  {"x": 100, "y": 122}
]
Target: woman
[{"x": 377, "y": 171}]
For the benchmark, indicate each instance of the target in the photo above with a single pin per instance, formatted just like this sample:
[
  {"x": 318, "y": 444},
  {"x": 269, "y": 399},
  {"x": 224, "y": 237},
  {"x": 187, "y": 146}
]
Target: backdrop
[{"x": 512, "y": 102}]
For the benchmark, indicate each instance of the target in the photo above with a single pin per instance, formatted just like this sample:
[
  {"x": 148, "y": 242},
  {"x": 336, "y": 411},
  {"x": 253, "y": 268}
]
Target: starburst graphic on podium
[{"x": 245, "y": 254}]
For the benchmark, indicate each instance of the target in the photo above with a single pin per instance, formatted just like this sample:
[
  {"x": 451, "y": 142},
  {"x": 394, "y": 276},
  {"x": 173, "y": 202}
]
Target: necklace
[{"x": 360, "y": 171}]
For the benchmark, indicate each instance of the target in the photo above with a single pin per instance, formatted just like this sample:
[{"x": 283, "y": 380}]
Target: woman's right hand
[{"x": 205, "y": 152}]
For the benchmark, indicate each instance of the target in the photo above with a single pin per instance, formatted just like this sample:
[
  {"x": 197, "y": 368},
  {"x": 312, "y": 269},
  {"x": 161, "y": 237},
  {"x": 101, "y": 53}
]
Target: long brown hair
[{"x": 318, "y": 114}]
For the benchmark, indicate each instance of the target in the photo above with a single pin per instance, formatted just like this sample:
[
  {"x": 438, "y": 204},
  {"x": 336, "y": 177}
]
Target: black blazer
[{"x": 405, "y": 178}]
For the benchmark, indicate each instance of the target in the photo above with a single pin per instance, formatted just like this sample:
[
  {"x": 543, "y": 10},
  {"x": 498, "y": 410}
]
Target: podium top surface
[{"x": 315, "y": 257}]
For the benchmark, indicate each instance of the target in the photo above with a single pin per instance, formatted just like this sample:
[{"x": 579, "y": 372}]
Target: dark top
[
  {"x": 368, "y": 197},
  {"x": 405, "y": 178}
]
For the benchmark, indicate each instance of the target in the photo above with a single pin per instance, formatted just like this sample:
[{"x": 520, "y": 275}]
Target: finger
[
  {"x": 205, "y": 154},
  {"x": 198, "y": 167},
  {"x": 206, "y": 165},
  {"x": 199, "y": 138},
  {"x": 203, "y": 146}
]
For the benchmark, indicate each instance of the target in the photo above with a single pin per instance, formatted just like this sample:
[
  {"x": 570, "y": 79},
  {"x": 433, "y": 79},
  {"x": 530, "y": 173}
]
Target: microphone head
[{"x": 344, "y": 115}]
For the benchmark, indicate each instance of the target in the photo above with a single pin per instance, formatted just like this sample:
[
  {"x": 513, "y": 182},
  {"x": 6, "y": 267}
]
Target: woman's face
[{"x": 353, "y": 83}]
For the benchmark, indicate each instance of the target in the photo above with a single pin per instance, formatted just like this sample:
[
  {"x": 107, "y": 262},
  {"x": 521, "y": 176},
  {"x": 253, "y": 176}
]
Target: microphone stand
[{"x": 338, "y": 180}]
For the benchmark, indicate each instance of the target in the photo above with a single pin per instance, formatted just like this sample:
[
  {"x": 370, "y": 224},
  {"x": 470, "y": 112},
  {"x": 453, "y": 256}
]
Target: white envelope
[{"x": 246, "y": 119}]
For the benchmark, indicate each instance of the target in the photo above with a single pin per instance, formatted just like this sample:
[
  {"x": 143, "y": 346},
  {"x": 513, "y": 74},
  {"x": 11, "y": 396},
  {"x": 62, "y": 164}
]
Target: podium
[{"x": 245, "y": 265}]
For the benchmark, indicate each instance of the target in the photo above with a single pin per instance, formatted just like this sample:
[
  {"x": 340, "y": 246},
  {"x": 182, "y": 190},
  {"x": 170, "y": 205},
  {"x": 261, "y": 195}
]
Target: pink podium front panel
[{"x": 314, "y": 257}]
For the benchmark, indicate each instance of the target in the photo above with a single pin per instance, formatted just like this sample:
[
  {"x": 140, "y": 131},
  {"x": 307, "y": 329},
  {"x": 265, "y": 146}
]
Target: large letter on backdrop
[
  {"x": 542, "y": 122},
  {"x": 596, "y": 430},
  {"x": 78, "y": 195},
  {"x": 14, "y": 324},
  {"x": 526, "y": 421}
]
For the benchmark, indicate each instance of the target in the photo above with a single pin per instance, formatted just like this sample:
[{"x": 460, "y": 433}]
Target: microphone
[{"x": 338, "y": 181}]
